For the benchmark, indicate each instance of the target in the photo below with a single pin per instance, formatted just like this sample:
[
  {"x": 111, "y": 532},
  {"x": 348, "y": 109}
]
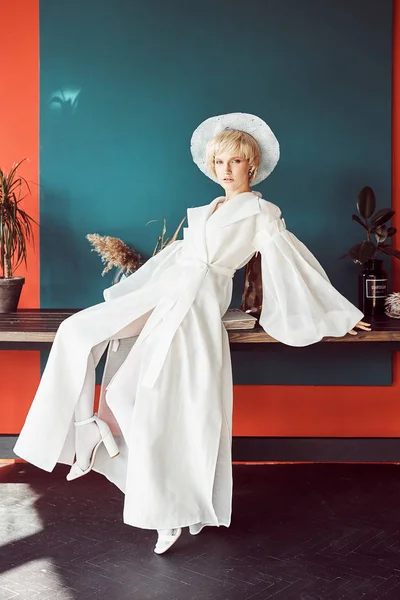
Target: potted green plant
[
  {"x": 16, "y": 231},
  {"x": 373, "y": 278}
]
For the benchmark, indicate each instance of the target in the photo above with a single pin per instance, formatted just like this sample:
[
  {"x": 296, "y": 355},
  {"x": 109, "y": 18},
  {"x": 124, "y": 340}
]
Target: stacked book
[{"x": 234, "y": 318}]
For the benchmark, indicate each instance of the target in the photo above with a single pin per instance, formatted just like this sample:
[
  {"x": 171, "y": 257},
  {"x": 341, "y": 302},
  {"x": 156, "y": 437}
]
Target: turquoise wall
[{"x": 125, "y": 83}]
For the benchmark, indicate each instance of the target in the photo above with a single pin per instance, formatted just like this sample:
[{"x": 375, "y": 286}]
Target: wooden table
[{"x": 36, "y": 328}]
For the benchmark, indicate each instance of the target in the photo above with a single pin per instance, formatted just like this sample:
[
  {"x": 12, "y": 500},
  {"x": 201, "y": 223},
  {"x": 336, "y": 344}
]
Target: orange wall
[
  {"x": 19, "y": 108},
  {"x": 259, "y": 410}
]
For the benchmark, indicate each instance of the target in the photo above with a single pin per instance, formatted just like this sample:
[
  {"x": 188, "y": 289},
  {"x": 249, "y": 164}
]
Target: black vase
[{"x": 373, "y": 288}]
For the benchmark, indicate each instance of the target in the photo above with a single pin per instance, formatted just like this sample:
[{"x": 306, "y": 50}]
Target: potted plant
[
  {"x": 16, "y": 232},
  {"x": 373, "y": 278}
]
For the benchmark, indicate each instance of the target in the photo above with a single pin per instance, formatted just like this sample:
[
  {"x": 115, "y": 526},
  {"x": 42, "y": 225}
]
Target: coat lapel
[
  {"x": 237, "y": 208},
  {"x": 196, "y": 232}
]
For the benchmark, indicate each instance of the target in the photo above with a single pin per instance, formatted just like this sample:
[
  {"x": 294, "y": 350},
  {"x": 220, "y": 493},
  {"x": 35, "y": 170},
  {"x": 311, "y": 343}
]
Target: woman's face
[{"x": 232, "y": 172}]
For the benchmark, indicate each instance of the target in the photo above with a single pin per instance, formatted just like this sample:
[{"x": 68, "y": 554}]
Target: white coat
[{"x": 168, "y": 396}]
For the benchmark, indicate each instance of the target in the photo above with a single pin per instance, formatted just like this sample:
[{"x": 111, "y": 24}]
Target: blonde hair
[{"x": 236, "y": 142}]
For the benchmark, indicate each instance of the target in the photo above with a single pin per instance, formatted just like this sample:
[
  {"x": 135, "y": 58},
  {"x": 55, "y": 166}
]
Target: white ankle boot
[
  {"x": 166, "y": 538},
  {"x": 106, "y": 439}
]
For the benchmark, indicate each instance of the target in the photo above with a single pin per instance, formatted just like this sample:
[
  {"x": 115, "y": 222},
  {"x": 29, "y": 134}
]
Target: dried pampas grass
[
  {"x": 162, "y": 240},
  {"x": 114, "y": 253},
  {"x": 392, "y": 305}
]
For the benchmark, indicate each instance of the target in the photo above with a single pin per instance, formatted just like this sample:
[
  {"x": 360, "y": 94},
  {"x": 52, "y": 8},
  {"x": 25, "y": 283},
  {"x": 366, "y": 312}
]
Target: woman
[{"x": 167, "y": 397}]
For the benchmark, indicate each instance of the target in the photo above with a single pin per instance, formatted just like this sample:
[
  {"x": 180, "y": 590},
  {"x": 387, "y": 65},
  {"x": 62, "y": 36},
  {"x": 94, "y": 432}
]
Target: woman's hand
[{"x": 361, "y": 325}]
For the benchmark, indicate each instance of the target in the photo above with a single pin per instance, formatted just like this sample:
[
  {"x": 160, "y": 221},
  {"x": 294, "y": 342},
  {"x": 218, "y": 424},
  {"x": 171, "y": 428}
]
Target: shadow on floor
[{"x": 302, "y": 532}]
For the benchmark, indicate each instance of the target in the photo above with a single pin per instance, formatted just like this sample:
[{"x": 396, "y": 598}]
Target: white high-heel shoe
[
  {"x": 106, "y": 439},
  {"x": 166, "y": 540}
]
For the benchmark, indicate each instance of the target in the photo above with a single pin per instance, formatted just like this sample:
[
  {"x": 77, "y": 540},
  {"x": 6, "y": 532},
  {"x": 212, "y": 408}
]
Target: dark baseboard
[
  {"x": 291, "y": 449},
  {"x": 297, "y": 449}
]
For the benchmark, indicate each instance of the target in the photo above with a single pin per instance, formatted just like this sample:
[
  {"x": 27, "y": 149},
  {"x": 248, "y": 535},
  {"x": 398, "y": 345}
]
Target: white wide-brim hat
[{"x": 251, "y": 124}]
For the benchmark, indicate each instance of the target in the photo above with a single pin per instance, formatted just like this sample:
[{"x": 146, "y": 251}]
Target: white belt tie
[{"x": 219, "y": 269}]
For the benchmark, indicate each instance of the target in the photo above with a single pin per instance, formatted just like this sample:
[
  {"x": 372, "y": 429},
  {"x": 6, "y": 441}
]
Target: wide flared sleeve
[{"x": 300, "y": 305}]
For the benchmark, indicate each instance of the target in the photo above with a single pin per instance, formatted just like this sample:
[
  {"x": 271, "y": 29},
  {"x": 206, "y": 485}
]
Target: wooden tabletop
[
  {"x": 32, "y": 324},
  {"x": 380, "y": 332},
  {"x": 40, "y": 326}
]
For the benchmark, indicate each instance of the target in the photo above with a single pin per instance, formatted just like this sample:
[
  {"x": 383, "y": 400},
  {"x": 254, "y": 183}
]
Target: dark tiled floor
[{"x": 302, "y": 532}]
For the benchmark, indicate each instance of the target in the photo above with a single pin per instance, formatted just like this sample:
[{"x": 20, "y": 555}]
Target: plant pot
[
  {"x": 373, "y": 288},
  {"x": 10, "y": 291},
  {"x": 252, "y": 296}
]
